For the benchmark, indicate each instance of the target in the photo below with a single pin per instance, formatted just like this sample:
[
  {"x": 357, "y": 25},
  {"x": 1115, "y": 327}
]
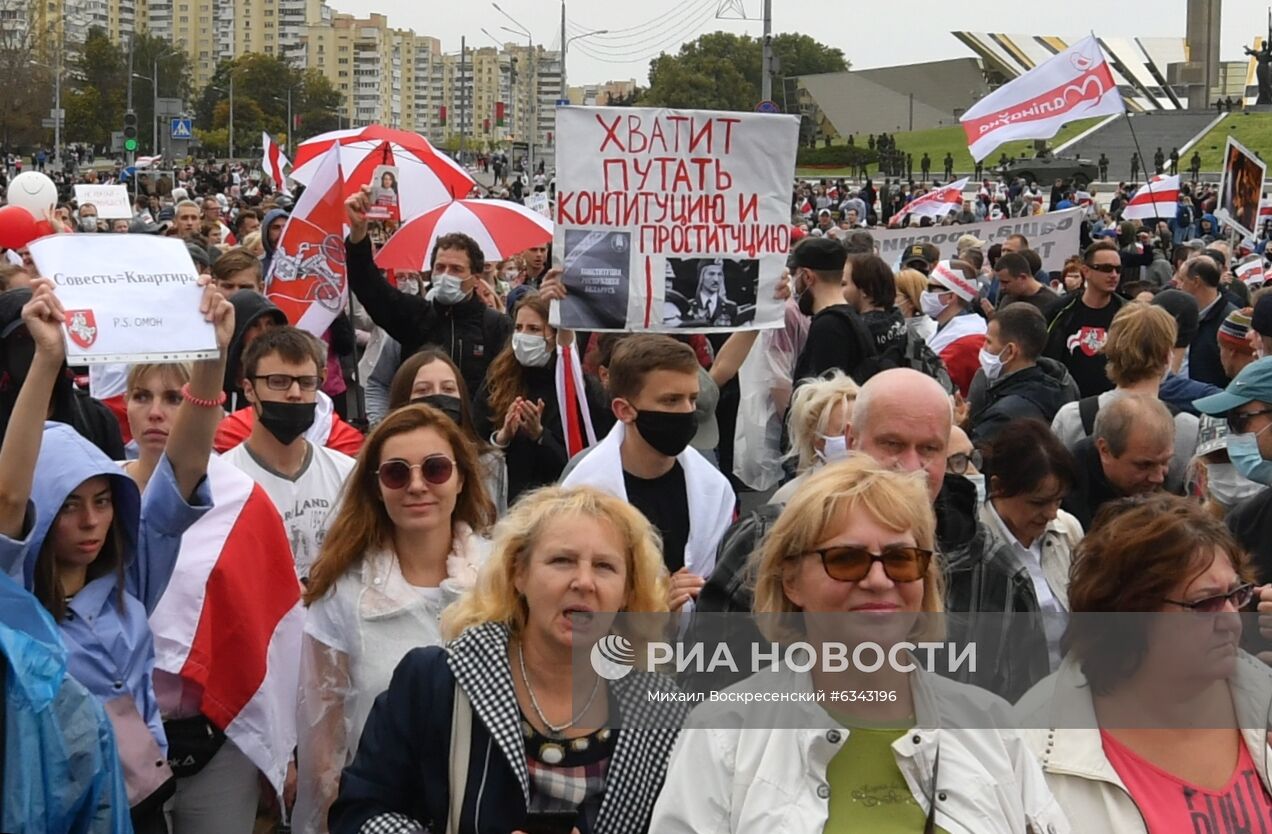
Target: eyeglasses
[
  {"x": 284, "y": 382},
  {"x": 957, "y": 463},
  {"x": 1239, "y": 596},
  {"x": 396, "y": 473},
  {"x": 1237, "y": 421},
  {"x": 1107, "y": 269},
  {"x": 851, "y": 564}
]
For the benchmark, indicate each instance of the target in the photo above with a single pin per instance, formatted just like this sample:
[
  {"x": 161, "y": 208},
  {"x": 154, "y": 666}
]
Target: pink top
[{"x": 1172, "y": 806}]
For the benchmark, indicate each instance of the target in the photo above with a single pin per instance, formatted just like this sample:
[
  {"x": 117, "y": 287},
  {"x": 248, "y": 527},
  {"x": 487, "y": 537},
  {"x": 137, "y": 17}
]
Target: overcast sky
[{"x": 908, "y": 31}]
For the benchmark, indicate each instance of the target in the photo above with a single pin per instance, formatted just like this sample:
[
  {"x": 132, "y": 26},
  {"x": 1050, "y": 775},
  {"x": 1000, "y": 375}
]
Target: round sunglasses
[
  {"x": 396, "y": 473},
  {"x": 851, "y": 564}
]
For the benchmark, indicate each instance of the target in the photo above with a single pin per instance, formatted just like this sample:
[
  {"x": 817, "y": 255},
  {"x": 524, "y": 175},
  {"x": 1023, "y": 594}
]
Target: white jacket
[
  {"x": 752, "y": 779},
  {"x": 1087, "y": 787}
]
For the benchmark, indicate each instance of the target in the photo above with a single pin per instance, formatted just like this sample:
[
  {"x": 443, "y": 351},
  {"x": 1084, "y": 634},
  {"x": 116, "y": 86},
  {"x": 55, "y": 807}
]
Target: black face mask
[
  {"x": 286, "y": 421},
  {"x": 445, "y": 403},
  {"x": 669, "y": 432}
]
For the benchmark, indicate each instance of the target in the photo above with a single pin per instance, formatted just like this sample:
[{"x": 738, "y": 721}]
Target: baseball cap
[
  {"x": 926, "y": 252},
  {"x": 1253, "y": 384},
  {"x": 1183, "y": 308},
  {"x": 1212, "y": 435},
  {"x": 969, "y": 241},
  {"x": 953, "y": 279},
  {"x": 1261, "y": 319},
  {"x": 199, "y": 255},
  {"x": 820, "y": 254}
]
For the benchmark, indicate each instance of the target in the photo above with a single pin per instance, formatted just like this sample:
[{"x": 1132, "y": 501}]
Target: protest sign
[
  {"x": 672, "y": 219},
  {"x": 111, "y": 200},
  {"x": 1240, "y": 188},
  {"x": 1053, "y": 236},
  {"x": 128, "y": 298},
  {"x": 538, "y": 202}
]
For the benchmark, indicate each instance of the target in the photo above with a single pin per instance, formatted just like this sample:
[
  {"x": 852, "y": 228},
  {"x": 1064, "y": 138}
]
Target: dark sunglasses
[
  {"x": 284, "y": 382},
  {"x": 396, "y": 473},
  {"x": 957, "y": 464},
  {"x": 1238, "y": 422},
  {"x": 1239, "y": 596},
  {"x": 1107, "y": 269},
  {"x": 851, "y": 564}
]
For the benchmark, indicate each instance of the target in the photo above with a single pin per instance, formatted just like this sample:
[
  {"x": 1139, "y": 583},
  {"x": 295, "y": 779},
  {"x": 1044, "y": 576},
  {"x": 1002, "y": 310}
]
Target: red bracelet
[{"x": 193, "y": 400}]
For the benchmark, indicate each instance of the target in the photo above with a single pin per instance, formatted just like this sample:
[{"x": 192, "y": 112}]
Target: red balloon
[
  {"x": 42, "y": 228},
  {"x": 17, "y": 227}
]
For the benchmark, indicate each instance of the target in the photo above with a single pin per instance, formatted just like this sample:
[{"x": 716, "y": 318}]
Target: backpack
[{"x": 913, "y": 353}]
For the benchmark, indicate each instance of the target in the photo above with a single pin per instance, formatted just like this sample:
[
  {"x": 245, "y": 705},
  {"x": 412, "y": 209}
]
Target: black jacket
[
  {"x": 1036, "y": 392},
  {"x": 1203, "y": 355},
  {"x": 535, "y": 463},
  {"x": 837, "y": 338},
  {"x": 469, "y": 332},
  {"x": 403, "y": 768},
  {"x": 1093, "y": 489},
  {"x": 1251, "y": 524}
]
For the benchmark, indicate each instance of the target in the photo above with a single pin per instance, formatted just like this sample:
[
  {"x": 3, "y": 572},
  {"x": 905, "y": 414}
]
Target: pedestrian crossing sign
[{"x": 182, "y": 129}]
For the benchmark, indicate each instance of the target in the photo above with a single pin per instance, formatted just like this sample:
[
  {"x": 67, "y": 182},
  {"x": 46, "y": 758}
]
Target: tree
[
  {"x": 26, "y": 96},
  {"x": 174, "y": 80},
  {"x": 722, "y": 71}
]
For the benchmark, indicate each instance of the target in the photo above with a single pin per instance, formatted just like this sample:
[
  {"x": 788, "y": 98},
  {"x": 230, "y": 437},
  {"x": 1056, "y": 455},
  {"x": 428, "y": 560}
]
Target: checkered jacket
[{"x": 398, "y": 782}]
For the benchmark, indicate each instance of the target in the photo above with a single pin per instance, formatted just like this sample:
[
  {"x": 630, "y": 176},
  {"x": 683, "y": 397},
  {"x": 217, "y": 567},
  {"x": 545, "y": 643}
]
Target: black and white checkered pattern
[
  {"x": 391, "y": 824},
  {"x": 479, "y": 660}
]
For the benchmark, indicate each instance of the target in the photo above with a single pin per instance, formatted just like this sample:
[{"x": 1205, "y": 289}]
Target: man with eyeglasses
[
  {"x": 1200, "y": 278},
  {"x": 282, "y": 371},
  {"x": 1079, "y": 327},
  {"x": 1247, "y": 404}
]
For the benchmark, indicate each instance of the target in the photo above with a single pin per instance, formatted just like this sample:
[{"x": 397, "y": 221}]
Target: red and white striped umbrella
[
  {"x": 427, "y": 177},
  {"x": 501, "y": 228}
]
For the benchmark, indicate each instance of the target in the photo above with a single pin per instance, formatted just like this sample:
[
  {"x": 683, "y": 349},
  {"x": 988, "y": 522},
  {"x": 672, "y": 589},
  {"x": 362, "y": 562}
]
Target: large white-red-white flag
[
  {"x": 307, "y": 277},
  {"x": 1159, "y": 197},
  {"x": 1074, "y": 84},
  {"x": 230, "y": 621},
  {"x": 936, "y": 203},
  {"x": 274, "y": 163}
]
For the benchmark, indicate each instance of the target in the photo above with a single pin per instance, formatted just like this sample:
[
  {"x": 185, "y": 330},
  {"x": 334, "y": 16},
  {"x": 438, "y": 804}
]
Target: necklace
[{"x": 555, "y": 729}]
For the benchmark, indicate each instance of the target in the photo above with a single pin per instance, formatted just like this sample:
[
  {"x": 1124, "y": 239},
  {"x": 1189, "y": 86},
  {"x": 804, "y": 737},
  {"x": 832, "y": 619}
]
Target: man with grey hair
[
  {"x": 187, "y": 219},
  {"x": 1129, "y": 453}
]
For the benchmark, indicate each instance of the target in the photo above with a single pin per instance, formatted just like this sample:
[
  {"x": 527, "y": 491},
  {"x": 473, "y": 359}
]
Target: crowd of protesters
[{"x": 962, "y": 431}]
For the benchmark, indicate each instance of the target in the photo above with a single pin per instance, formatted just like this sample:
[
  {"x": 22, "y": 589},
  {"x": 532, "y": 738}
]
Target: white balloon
[{"x": 34, "y": 191}]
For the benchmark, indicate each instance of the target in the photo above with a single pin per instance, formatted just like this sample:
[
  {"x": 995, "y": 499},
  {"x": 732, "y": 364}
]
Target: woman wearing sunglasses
[
  {"x": 855, "y": 542},
  {"x": 1157, "y": 722},
  {"x": 432, "y": 378},
  {"x": 406, "y": 541},
  {"x": 500, "y": 731}
]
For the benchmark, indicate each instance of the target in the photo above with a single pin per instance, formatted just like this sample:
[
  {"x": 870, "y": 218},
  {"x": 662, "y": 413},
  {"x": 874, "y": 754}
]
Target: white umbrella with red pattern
[{"x": 501, "y": 229}]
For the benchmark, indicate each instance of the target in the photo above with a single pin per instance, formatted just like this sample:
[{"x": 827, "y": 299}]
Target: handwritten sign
[
  {"x": 128, "y": 298},
  {"x": 111, "y": 200},
  {"x": 672, "y": 220},
  {"x": 1054, "y": 236}
]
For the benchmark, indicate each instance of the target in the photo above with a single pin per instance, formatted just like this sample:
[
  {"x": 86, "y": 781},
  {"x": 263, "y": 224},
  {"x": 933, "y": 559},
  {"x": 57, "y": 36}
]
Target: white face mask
[
  {"x": 834, "y": 447},
  {"x": 978, "y": 481},
  {"x": 510, "y": 272},
  {"x": 930, "y": 303},
  {"x": 1228, "y": 486},
  {"x": 991, "y": 364},
  {"x": 448, "y": 290},
  {"x": 530, "y": 350}
]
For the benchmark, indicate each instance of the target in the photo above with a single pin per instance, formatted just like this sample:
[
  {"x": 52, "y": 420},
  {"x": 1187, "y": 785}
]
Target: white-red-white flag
[
  {"x": 936, "y": 203},
  {"x": 1252, "y": 271},
  {"x": 230, "y": 621},
  {"x": 1074, "y": 84},
  {"x": 146, "y": 161},
  {"x": 274, "y": 163},
  {"x": 307, "y": 277},
  {"x": 1265, "y": 211},
  {"x": 1159, "y": 197}
]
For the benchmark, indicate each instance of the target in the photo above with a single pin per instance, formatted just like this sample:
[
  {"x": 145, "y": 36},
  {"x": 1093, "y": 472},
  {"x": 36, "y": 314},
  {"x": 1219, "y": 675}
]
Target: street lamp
[
  {"x": 57, "y": 109},
  {"x": 154, "y": 115},
  {"x": 565, "y": 44},
  {"x": 291, "y": 125},
  {"x": 231, "y": 94},
  {"x": 534, "y": 82}
]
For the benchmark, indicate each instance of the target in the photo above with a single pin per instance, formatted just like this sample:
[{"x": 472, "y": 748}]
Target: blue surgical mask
[
  {"x": 835, "y": 447},
  {"x": 1243, "y": 451},
  {"x": 991, "y": 364}
]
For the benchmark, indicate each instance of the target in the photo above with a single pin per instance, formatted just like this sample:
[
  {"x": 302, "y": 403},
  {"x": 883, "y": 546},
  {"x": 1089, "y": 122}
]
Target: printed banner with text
[
  {"x": 672, "y": 220},
  {"x": 1053, "y": 236},
  {"x": 128, "y": 298}
]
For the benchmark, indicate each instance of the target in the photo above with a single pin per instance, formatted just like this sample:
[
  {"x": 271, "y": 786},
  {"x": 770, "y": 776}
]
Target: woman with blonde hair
[
  {"x": 911, "y": 284},
  {"x": 817, "y": 423},
  {"x": 500, "y": 730},
  {"x": 855, "y": 541},
  {"x": 406, "y": 540}
]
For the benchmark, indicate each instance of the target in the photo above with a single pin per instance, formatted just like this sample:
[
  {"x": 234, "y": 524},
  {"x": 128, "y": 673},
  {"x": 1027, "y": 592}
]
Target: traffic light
[{"x": 130, "y": 131}]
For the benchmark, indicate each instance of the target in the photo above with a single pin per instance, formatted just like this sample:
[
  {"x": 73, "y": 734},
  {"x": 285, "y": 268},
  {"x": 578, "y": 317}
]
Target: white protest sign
[
  {"x": 128, "y": 298},
  {"x": 111, "y": 201},
  {"x": 1053, "y": 236},
  {"x": 672, "y": 220},
  {"x": 538, "y": 202}
]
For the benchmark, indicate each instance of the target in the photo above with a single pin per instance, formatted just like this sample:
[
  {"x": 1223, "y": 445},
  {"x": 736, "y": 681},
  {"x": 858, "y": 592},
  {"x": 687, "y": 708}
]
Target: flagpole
[{"x": 1135, "y": 139}]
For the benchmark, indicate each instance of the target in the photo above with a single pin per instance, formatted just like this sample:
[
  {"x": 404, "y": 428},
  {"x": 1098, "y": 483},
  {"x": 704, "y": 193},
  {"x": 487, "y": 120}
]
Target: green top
[{"x": 867, "y": 790}]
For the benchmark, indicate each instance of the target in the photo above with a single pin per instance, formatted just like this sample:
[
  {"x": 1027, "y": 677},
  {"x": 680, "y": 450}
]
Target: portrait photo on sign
[
  {"x": 1241, "y": 188},
  {"x": 384, "y": 193},
  {"x": 596, "y": 275},
  {"x": 709, "y": 292}
]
